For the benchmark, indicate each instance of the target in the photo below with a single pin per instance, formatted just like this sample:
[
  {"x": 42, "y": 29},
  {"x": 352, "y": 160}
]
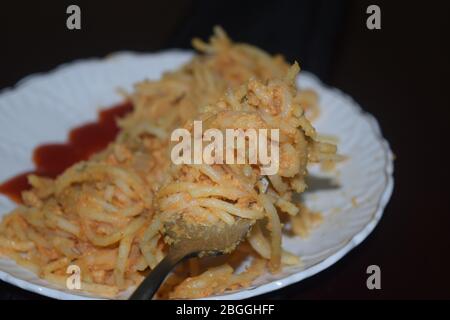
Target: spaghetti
[{"x": 105, "y": 214}]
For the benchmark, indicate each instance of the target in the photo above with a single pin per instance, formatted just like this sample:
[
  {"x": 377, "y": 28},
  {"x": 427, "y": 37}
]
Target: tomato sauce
[{"x": 50, "y": 160}]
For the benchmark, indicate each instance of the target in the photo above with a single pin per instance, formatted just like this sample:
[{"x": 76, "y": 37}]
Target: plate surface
[{"x": 43, "y": 108}]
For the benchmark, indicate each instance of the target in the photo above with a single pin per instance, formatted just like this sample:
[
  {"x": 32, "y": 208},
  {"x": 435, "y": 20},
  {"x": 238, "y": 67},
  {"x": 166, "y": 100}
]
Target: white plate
[{"x": 43, "y": 108}]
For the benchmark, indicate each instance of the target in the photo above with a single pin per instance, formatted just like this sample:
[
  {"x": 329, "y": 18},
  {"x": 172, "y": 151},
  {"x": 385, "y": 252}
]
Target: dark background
[{"x": 399, "y": 74}]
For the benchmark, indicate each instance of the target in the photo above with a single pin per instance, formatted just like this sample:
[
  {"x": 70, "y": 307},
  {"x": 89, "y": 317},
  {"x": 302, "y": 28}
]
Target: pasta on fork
[{"x": 220, "y": 193}]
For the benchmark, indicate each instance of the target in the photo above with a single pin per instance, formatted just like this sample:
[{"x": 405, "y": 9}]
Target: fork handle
[{"x": 152, "y": 282}]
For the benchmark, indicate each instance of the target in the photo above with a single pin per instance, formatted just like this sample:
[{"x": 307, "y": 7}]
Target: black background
[{"x": 399, "y": 74}]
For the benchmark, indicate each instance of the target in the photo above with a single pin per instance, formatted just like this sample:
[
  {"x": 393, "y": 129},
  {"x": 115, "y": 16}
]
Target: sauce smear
[{"x": 52, "y": 159}]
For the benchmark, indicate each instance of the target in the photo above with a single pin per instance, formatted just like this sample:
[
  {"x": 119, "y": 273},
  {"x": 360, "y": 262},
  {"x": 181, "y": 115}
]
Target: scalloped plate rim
[{"x": 246, "y": 292}]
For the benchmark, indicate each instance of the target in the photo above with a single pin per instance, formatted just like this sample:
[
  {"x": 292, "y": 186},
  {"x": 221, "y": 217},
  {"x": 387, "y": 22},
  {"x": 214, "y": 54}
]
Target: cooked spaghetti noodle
[{"x": 105, "y": 215}]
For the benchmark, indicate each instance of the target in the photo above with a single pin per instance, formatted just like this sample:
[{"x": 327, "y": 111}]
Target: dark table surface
[{"x": 400, "y": 75}]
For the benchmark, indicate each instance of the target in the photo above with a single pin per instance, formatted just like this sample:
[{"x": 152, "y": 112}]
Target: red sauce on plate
[{"x": 52, "y": 159}]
